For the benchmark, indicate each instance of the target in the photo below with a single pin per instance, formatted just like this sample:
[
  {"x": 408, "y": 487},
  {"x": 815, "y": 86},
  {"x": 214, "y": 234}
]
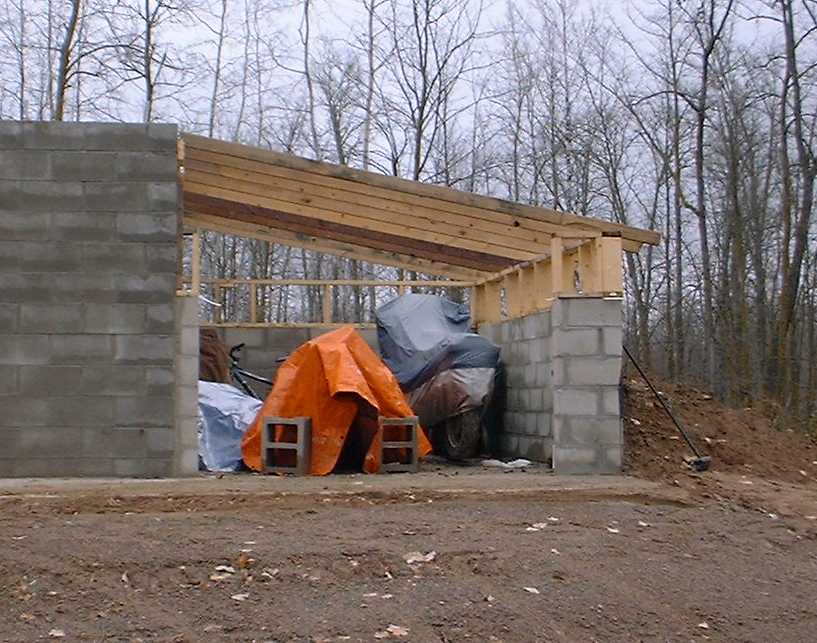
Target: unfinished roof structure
[{"x": 257, "y": 193}]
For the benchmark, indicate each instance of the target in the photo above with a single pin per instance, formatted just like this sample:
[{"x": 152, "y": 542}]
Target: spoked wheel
[{"x": 459, "y": 436}]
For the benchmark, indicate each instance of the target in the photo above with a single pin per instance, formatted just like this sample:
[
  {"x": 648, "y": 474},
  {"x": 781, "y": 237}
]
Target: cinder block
[
  {"x": 113, "y": 380},
  {"x": 186, "y": 462},
  {"x": 509, "y": 445},
  {"x": 543, "y": 375},
  {"x": 147, "y": 412},
  {"x": 160, "y": 442},
  {"x": 41, "y": 196},
  {"x": 81, "y": 349},
  {"x": 34, "y": 288},
  {"x": 543, "y": 424},
  {"x": 161, "y": 379},
  {"x": 75, "y": 165},
  {"x": 161, "y": 319},
  {"x": 613, "y": 339},
  {"x": 51, "y": 318},
  {"x": 589, "y": 431},
  {"x": 540, "y": 349},
  {"x": 83, "y": 226},
  {"x": 187, "y": 342},
  {"x": 64, "y": 135},
  {"x": 574, "y": 401},
  {"x": 251, "y": 337},
  {"x": 128, "y": 258},
  {"x": 59, "y": 467},
  {"x": 531, "y": 423},
  {"x": 25, "y": 164},
  {"x": 41, "y": 442},
  {"x": 187, "y": 370},
  {"x": 530, "y": 327},
  {"x": 58, "y": 411},
  {"x": 18, "y": 350},
  {"x": 39, "y": 256},
  {"x": 143, "y": 468},
  {"x": 573, "y": 341},
  {"x": 186, "y": 400},
  {"x": 591, "y": 311},
  {"x": 536, "y": 448},
  {"x": 536, "y": 400},
  {"x": 45, "y": 381},
  {"x": 128, "y": 196},
  {"x": 9, "y": 314},
  {"x": 152, "y": 289},
  {"x": 162, "y": 257},
  {"x": 91, "y": 288},
  {"x": 163, "y": 195},
  {"x": 114, "y": 442},
  {"x": 584, "y": 371},
  {"x": 186, "y": 432},
  {"x": 9, "y": 381},
  {"x": 20, "y": 225},
  {"x": 147, "y": 227},
  {"x": 576, "y": 460},
  {"x": 530, "y": 376},
  {"x": 144, "y": 349},
  {"x": 11, "y": 135},
  {"x": 146, "y": 165},
  {"x": 115, "y": 319},
  {"x": 610, "y": 401}
]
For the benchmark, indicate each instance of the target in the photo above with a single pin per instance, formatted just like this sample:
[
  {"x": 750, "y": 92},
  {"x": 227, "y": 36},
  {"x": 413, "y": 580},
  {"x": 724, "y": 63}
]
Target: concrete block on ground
[
  {"x": 581, "y": 461},
  {"x": 589, "y": 431}
]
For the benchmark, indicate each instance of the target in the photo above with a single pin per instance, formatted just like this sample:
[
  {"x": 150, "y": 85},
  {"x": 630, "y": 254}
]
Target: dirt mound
[{"x": 740, "y": 441}]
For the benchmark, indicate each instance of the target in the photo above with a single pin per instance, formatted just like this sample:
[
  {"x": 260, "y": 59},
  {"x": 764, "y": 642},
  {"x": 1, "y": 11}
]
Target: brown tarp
[
  {"x": 339, "y": 382},
  {"x": 214, "y": 360}
]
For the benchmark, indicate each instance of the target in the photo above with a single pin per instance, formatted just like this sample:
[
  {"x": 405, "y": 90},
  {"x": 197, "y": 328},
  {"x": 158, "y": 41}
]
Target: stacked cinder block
[
  {"x": 88, "y": 224},
  {"x": 586, "y": 345},
  {"x": 525, "y": 351},
  {"x": 562, "y": 385}
]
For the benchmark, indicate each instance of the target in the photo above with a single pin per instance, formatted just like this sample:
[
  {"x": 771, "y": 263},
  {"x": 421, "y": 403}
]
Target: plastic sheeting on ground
[
  {"x": 224, "y": 415},
  {"x": 342, "y": 385}
]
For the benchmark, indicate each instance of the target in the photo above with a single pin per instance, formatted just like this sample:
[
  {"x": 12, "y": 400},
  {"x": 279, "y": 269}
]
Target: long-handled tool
[{"x": 701, "y": 462}]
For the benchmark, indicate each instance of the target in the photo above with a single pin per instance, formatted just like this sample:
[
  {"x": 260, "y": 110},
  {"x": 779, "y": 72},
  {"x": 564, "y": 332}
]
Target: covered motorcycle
[{"x": 446, "y": 371}]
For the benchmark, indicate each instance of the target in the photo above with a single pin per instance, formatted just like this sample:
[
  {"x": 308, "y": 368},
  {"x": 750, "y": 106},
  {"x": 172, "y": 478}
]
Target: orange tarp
[{"x": 339, "y": 382}]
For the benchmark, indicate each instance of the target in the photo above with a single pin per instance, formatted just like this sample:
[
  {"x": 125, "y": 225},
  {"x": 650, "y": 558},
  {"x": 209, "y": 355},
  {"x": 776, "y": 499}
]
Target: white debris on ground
[{"x": 519, "y": 463}]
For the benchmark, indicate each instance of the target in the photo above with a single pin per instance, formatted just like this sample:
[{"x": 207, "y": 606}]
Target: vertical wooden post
[
  {"x": 327, "y": 303},
  {"x": 610, "y": 269},
  {"x": 253, "y": 303},
  {"x": 542, "y": 285},
  {"x": 556, "y": 266},
  {"x": 195, "y": 263},
  {"x": 513, "y": 294},
  {"x": 493, "y": 302},
  {"x": 218, "y": 311},
  {"x": 401, "y": 289},
  {"x": 527, "y": 289}
]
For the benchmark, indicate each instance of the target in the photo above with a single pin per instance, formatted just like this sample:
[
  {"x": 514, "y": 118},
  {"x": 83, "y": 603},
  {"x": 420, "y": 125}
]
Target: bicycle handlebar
[{"x": 235, "y": 349}]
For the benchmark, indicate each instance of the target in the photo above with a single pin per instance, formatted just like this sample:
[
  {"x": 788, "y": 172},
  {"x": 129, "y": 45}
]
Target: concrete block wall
[
  {"x": 263, "y": 346},
  {"x": 88, "y": 221},
  {"x": 586, "y": 345},
  {"x": 525, "y": 425},
  {"x": 186, "y": 407},
  {"x": 563, "y": 369}
]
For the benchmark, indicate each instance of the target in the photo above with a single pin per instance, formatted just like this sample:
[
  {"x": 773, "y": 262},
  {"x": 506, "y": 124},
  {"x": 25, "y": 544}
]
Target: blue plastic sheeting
[
  {"x": 423, "y": 335},
  {"x": 225, "y": 413}
]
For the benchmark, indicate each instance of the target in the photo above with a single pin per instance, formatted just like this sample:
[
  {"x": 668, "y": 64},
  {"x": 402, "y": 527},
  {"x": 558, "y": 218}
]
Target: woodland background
[{"x": 696, "y": 118}]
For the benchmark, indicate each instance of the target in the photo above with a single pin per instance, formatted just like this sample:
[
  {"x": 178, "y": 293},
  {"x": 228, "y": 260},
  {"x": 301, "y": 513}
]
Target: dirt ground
[{"x": 524, "y": 556}]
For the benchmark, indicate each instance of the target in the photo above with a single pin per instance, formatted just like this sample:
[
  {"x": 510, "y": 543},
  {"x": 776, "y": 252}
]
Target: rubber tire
[{"x": 460, "y": 436}]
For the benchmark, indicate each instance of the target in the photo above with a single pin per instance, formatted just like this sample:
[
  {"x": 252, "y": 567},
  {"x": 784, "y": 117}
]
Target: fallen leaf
[
  {"x": 219, "y": 577},
  {"x": 415, "y": 557},
  {"x": 56, "y": 634},
  {"x": 397, "y": 630},
  {"x": 531, "y": 590},
  {"x": 226, "y": 568},
  {"x": 240, "y": 597},
  {"x": 27, "y": 617}
]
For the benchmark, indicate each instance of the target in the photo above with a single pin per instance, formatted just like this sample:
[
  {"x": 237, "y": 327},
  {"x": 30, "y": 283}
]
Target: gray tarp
[
  {"x": 224, "y": 415},
  {"x": 445, "y": 369}
]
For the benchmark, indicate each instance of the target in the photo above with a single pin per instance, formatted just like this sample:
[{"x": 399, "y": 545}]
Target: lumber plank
[
  {"x": 329, "y": 246},
  {"x": 413, "y": 187}
]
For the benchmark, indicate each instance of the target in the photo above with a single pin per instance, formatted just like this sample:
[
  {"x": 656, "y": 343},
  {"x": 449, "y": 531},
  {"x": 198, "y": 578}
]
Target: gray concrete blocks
[
  {"x": 186, "y": 375},
  {"x": 88, "y": 223}
]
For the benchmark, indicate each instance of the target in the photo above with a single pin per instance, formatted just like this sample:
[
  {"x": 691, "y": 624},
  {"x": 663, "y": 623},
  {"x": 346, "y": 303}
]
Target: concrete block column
[
  {"x": 186, "y": 461},
  {"x": 586, "y": 369}
]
